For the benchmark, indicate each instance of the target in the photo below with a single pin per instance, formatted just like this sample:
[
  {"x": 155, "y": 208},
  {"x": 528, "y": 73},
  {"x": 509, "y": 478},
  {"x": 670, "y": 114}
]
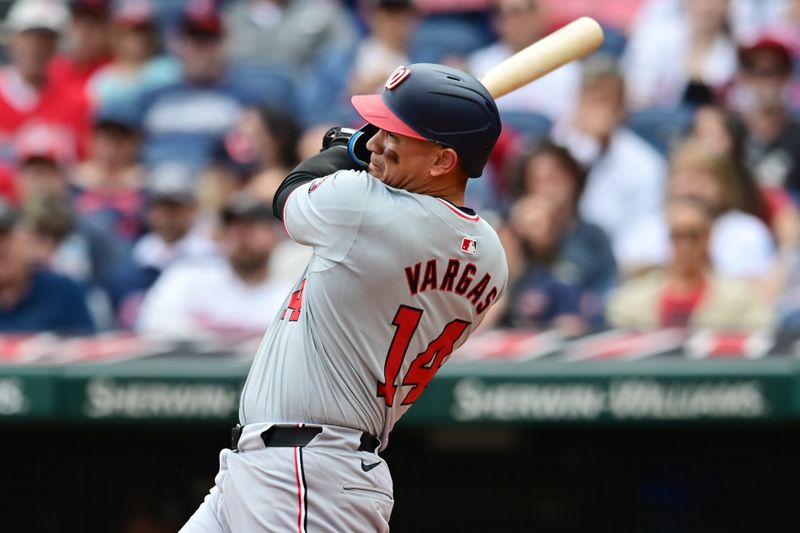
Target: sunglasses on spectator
[
  {"x": 519, "y": 8},
  {"x": 765, "y": 72},
  {"x": 686, "y": 234}
]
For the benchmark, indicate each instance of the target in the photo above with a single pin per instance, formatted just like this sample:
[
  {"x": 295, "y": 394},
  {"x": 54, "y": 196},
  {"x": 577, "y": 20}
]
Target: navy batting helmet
[{"x": 438, "y": 104}]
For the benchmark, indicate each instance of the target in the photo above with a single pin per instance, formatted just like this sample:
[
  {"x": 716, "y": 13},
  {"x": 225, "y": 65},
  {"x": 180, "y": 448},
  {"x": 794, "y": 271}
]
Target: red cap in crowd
[
  {"x": 133, "y": 14},
  {"x": 44, "y": 142},
  {"x": 773, "y": 41},
  {"x": 92, "y": 8},
  {"x": 201, "y": 17}
]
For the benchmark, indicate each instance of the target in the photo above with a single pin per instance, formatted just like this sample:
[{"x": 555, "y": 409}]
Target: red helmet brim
[{"x": 372, "y": 109}]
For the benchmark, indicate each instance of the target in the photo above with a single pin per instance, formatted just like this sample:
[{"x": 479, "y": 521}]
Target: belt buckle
[{"x": 369, "y": 443}]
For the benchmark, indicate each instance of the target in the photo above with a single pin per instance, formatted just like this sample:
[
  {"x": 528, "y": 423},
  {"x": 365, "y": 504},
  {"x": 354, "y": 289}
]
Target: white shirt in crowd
[
  {"x": 205, "y": 299},
  {"x": 741, "y": 245},
  {"x": 374, "y": 60},
  {"x": 655, "y": 65},
  {"x": 552, "y": 95},
  {"x": 748, "y": 18},
  {"x": 152, "y": 251},
  {"x": 625, "y": 181},
  {"x": 288, "y": 260}
]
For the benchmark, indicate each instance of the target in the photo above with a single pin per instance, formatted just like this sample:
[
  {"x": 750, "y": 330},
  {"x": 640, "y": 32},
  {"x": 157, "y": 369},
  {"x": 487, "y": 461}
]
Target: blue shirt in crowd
[
  {"x": 53, "y": 303},
  {"x": 184, "y": 121}
]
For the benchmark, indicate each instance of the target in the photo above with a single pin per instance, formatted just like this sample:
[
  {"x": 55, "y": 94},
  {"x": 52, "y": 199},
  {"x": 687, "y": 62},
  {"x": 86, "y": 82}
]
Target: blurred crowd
[{"x": 654, "y": 184}]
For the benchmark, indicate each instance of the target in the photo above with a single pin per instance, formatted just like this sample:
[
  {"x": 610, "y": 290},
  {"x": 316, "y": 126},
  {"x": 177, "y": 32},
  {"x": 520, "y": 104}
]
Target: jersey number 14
[{"x": 425, "y": 364}]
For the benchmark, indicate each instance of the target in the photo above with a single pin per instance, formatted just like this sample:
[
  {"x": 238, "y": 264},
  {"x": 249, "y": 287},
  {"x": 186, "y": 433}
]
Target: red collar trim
[{"x": 460, "y": 213}]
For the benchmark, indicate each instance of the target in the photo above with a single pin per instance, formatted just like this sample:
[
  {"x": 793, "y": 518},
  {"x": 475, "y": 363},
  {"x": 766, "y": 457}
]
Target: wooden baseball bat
[{"x": 575, "y": 40}]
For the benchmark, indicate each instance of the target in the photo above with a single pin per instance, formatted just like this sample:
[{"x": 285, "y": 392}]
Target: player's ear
[{"x": 445, "y": 163}]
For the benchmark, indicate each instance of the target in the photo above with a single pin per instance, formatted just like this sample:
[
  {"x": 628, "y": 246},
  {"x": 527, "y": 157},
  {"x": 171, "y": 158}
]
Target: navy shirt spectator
[
  {"x": 584, "y": 254},
  {"x": 88, "y": 252},
  {"x": 545, "y": 290},
  {"x": 108, "y": 187},
  {"x": 30, "y": 299},
  {"x": 539, "y": 299},
  {"x": 188, "y": 118},
  {"x": 560, "y": 267}
]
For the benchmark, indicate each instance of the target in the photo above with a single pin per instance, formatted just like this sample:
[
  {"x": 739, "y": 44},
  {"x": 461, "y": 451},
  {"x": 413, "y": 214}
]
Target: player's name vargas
[
  {"x": 106, "y": 398},
  {"x": 626, "y": 399}
]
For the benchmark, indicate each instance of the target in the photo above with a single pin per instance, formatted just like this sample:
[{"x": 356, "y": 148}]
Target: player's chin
[{"x": 375, "y": 170}]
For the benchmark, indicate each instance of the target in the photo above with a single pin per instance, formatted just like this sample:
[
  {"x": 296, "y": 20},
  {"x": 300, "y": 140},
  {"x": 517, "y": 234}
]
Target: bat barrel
[{"x": 574, "y": 41}]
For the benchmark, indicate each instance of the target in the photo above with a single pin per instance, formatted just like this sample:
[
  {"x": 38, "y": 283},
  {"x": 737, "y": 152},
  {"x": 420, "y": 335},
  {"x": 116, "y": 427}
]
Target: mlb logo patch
[{"x": 469, "y": 246}]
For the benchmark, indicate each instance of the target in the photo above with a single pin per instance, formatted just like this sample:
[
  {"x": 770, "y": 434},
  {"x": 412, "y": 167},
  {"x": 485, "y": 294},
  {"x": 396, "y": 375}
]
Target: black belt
[{"x": 288, "y": 436}]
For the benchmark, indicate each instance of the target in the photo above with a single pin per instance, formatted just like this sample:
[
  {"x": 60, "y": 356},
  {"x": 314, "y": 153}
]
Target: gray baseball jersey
[{"x": 396, "y": 282}]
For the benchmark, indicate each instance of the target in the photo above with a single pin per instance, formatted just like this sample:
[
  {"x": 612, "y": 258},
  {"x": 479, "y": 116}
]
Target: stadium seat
[
  {"x": 275, "y": 85},
  {"x": 614, "y": 42},
  {"x": 321, "y": 93},
  {"x": 662, "y": 128},
  {"x": 531, "y": 126},
  {"x": 440, "y": 36}
]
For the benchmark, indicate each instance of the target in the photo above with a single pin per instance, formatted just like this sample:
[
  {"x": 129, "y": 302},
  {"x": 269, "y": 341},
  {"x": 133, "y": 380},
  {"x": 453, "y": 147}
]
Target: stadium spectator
[
  {"x": 56, "y": 247},
  {"x": 583, "y": 251},
  {"x": 360, "y": 67},
  {"x": 274, "y": 135},
  {"x": 287, "y": 32},
  {"x": 759, "y": 95},
  {"x": 232, "y": 296},
  {"x": 543, "y": 291},
  {"x": 255, "y": 155},
  {"x": 626, "y": 175},
  {"x": 557, "y": 261},
  {"x": 172, "y": 124},
  {"x": 519, "y": 23},
  {"x": 680, "y": 58},
  {"x": 688, "y": 293},
  {"x": 42, "y": 158},
  {"x": 720, "y": 130},
  {"x": 715, "y": 127},
  {"x": 28, "y": 95},
  {"x": 747, "y": 17},
  {"x": 91, "y": 254},
  {"x": 87, "y": 40},
  {"x": 51, "y": 220},
  {"x": 741, "y": 245},
  {"x": 108, "y": 187},
  {"x": 176, "y": 233},
  {"x": 135, "y": 66},
  {"x": 34, "y": 299},
  {"x": 390, "y": 24}
]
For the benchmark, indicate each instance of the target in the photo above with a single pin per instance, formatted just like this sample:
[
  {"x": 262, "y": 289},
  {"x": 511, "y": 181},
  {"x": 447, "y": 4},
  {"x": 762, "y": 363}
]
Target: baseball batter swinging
[{"x": 399, "y": 278}]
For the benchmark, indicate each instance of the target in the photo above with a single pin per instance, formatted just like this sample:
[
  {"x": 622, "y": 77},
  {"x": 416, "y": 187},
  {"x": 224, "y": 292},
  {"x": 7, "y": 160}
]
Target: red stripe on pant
[{"x": 299, "y": 491}]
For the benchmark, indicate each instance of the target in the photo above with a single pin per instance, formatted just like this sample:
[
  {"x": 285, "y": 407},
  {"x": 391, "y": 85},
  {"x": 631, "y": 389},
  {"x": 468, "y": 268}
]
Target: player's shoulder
[
  {"x": 343, "y": 180},
  {"x": 359, "y": 184},
  {"x": 342, "y": 188}
]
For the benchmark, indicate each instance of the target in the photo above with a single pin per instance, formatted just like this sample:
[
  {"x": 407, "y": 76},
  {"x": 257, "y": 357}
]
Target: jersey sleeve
[{"x": 327, "y": 212}]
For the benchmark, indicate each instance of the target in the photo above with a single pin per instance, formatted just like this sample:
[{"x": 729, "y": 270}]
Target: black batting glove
[{"x": 354, "y": 140}]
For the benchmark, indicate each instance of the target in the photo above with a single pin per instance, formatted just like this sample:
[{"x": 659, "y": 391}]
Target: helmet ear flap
[{"x": 358, "y": 144}]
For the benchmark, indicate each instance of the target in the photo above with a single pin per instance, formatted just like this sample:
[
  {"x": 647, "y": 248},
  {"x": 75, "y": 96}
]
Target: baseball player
[{"x": 399, "y": 278}]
